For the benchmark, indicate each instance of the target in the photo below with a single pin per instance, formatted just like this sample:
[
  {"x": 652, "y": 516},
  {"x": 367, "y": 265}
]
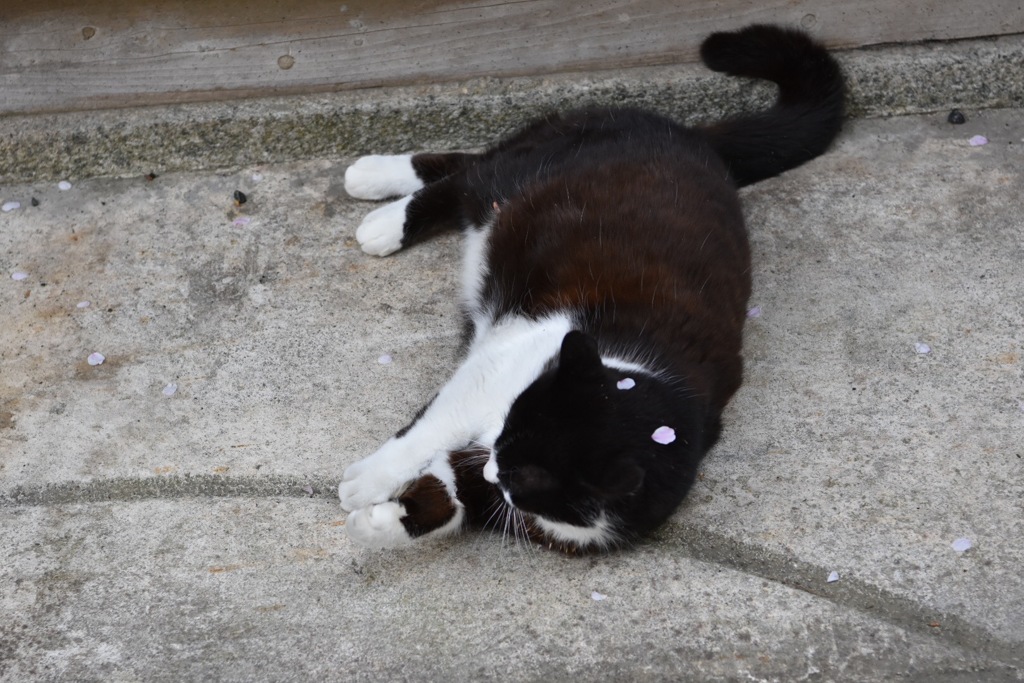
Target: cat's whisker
[{"x": 496, "y": 509}]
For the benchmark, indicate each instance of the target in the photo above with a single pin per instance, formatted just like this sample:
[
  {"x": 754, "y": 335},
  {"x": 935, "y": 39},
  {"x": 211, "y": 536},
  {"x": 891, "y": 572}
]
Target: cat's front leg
[{"x": 471, "y": 407}]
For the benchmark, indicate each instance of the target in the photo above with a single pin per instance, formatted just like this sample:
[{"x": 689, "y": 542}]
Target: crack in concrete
[
  {"x": 697, "y": 543},
  {"x": 168, "y": 487},
  {"x": 874, "y": 601}
]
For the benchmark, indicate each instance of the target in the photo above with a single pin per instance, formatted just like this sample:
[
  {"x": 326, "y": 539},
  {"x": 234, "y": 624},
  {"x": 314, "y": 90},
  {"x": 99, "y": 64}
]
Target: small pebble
[
  {"x": 961, "y": 545},
  {"x": 83, "y": 304},
  {"x": 10, "y": 206},
  {"x": 754, "y": 312},
  {"x": 922, "y": 348},
  {"x": 598, "y": 597},
  {"x": 978, "y": 141},
  {"x": 170, "y": 389},
  {"x": 385, "y": 359},
  {"x": 96, "y": 359},
  {"x": 832, "y": 578},
  {"x": 64, "y": 185},
  {"x": 956, "y": 117},
  {"x": 625, "y": 384},
  {"x": 150, "y": 177},
  {"x": 240, "y": 197},
  {"x": 664, "y": 435},
  {"x": 34, "y": 202},
  {"x": 19, "y": 275}
]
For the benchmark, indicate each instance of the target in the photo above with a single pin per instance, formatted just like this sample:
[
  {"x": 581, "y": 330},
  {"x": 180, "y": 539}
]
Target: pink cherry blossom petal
[
  {"x": 922, "y": 348},
  {"x": 96, "y": 358},
  {"x": 83, "y": 304},
  {"x": 626, "y": 384},
  {"x": 10, "y": 206},
  {"x": 832, "y": 577},
  {"x": 63, "y": 186},
  {"x": 754, "y": 312},
  {"x": 664, "y": 435},
  {"x": 19, "y": 276},
  {"x": 978, "y": 141},
  {"x": 242, "y": 220},
  {"x": 170, "y": 389},
  {"x": 961, "y": 545},
  {"x": 598, "y": 597},
  {"x": 385, "y": 359}
]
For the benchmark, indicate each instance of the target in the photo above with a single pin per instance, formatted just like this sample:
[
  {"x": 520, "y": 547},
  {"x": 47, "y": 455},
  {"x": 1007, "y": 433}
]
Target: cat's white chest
[{"x": 474, "y": 271}]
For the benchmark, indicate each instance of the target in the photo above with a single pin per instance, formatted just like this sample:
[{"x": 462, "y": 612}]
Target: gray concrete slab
[{"x": 151, "y": 537}]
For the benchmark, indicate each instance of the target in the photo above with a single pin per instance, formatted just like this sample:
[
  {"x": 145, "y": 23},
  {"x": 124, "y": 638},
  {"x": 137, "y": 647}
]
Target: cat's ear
[
  {"x": 622, "y": 478},
  {"x": 579, "y": 357}
]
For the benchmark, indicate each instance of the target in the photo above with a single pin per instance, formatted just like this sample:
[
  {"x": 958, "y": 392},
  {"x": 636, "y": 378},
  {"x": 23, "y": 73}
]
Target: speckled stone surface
[{"x": 884, "y": 81}]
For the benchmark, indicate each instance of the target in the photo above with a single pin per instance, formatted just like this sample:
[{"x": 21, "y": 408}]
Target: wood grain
[{"x": 58, "y": 55}]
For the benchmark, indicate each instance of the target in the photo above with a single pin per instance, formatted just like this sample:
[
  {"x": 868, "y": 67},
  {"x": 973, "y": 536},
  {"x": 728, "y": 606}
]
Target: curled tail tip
[{"x": 750, "y": 50}]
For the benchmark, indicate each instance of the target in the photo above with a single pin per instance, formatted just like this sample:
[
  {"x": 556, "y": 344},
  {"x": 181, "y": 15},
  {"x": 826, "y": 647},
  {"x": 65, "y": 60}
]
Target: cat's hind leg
[
  {"x": 380, "y": 176},
  {"x": 411, "y": 219}
]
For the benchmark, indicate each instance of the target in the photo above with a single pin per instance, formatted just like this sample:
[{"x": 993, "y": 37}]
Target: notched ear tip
[{"x": 579, "y": 353}]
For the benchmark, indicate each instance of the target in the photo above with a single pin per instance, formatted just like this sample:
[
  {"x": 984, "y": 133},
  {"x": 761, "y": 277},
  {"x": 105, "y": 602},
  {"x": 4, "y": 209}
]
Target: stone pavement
[{"x": 156, "y": 520}]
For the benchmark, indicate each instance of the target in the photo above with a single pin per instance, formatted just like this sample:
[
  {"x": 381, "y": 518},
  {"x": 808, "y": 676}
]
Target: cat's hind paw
[
  {"x": 378, "y": 526},
  {"x": 380, "y": 177},
  {"x": 382, "y": 230}
]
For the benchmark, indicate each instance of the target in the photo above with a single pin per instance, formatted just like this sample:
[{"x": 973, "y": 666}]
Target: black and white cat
[{"x": 605, "y": 276}]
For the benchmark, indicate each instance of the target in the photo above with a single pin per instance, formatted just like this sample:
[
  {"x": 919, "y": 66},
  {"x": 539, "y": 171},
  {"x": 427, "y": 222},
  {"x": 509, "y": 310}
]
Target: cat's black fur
[{"x": 630, "y": 223}]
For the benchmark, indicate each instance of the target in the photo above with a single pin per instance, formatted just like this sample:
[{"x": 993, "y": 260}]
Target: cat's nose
[{"x": 491, "y": 469}]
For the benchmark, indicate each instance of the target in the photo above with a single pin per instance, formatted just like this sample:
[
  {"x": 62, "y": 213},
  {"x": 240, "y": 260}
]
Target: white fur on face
[
  {"x": 491, "y": 469},
  {"x": 599, "y": 534}
]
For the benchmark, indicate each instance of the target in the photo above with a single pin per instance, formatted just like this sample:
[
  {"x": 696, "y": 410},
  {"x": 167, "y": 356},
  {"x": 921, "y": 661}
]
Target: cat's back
[{"x": 624, "y": 207}]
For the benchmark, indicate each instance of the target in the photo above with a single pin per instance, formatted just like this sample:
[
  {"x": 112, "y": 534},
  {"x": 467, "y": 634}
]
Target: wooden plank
[{"x": 58, "y": 55}]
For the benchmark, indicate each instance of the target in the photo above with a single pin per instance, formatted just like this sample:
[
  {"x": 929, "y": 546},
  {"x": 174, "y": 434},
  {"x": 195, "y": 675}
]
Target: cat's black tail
[{"x": 804, "y": 120}]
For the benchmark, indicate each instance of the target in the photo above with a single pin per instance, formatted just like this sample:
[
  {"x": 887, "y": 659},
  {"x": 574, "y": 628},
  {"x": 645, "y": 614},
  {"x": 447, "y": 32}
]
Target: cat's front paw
[
  {"x": 382, "y": 230},
  {"x": 361, "y": 490},
  {"x": 380, "y": 177},
  {"x": 378, "y": 526},
  {"x": 379, "y": 477}
]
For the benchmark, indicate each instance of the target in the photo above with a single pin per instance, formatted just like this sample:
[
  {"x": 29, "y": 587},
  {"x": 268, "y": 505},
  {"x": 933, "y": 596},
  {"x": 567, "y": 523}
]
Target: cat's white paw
[
  {"x": 372, "y": 486},
  {"x": 378, "y": 526},
  {"x": 381, "y": 231},
  {"x": 378, "y": 477},
  {"x": 380, "y": 177}
]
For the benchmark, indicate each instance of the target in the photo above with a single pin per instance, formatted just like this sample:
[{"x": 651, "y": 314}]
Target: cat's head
[{"x": 576, "y": 441}]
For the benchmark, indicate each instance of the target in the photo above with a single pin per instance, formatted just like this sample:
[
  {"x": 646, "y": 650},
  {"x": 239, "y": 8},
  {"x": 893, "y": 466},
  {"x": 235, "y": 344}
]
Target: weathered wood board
[{"x": 58, "y": 55}]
